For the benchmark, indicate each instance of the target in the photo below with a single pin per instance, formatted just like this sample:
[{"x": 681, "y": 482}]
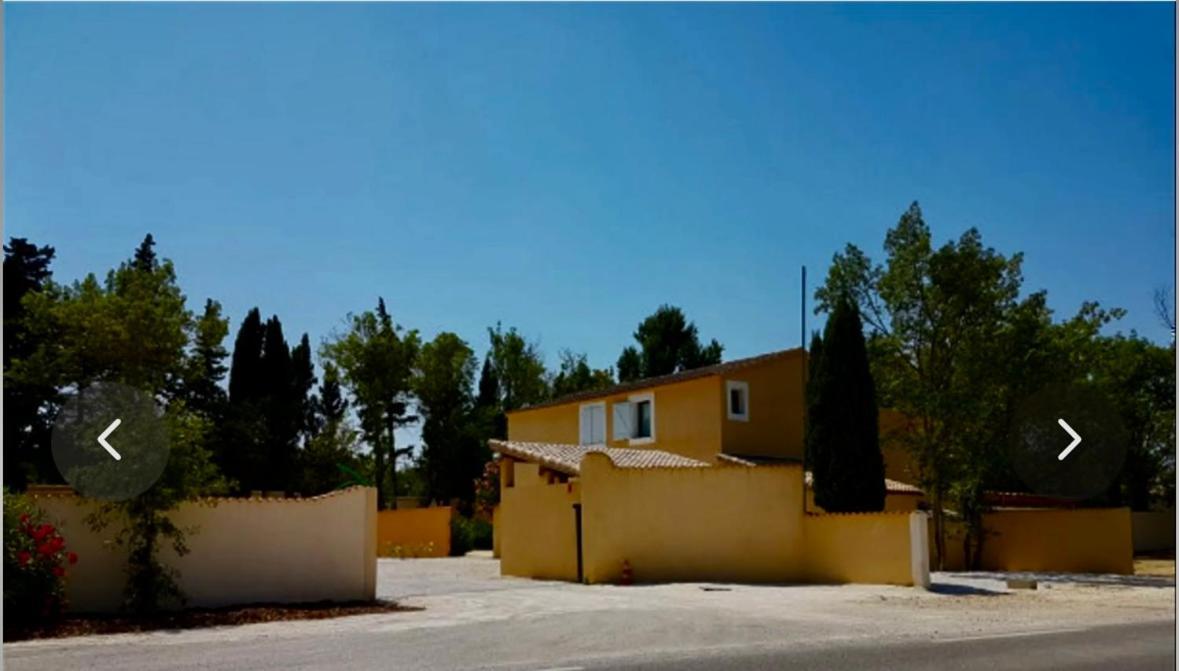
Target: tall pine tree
[{"x": 843, "y": 443}]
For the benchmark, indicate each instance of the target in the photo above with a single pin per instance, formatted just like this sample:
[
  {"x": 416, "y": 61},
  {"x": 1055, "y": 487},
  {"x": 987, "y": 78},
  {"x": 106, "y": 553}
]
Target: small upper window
[
  {"x": 634, "y": 419},
  {"x": 643, "y": 419},
  {"x": 738, "y": 393}
]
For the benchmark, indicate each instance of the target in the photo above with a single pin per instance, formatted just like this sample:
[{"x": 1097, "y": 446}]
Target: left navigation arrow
[{"x": 106, "y": 434}]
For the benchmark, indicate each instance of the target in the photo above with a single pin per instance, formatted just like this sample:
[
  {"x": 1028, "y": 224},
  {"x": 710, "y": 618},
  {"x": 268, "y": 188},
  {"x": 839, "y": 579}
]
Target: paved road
[
  {"x": 1138, "y": 647},
  {"x": 472, "y": 618}
]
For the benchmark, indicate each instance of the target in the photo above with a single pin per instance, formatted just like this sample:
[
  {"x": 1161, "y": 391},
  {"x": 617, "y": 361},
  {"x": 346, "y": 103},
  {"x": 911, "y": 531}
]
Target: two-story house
[{"x": 749, "y": 408}]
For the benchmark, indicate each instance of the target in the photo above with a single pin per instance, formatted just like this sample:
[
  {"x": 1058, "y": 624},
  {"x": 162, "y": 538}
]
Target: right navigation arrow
[{"x": 1071, "y": 446}]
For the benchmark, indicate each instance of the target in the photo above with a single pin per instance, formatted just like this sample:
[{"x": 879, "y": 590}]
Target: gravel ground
[{"x": 472, "y": 617}]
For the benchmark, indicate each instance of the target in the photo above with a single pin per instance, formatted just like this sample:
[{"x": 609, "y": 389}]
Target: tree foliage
[
  {"x": 271, "y": 409},
  {"x": 576, "y": 375},
  {"x": 29, "y": 401},
  {"x": 955, "y": 347},
  {"x": 134, "y": 329},
  {"x": 842, "y": 438},
  {"x": 453, "y": 452},
  {"x": 667, "y": 343},
  {"x": 376, "y": 358},
  {"x": 519, "y": 369}
]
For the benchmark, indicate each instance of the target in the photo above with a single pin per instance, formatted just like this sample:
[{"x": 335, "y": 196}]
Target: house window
[
  {"x": 738, "y": 400},
  {"x": 592, "y": 424},
  {"x": 634, "y": 419},
  {"x": 643, "y": 419}
]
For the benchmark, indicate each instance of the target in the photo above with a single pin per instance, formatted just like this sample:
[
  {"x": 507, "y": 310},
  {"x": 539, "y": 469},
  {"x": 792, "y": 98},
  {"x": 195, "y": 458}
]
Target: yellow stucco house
[
  {"x": 694, "y": 475},
  {"x": 744, "y": 412}
]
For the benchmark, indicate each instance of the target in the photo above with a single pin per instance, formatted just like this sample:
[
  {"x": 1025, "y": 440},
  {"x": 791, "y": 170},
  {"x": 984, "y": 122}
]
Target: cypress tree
[
  {"x": 281, "y": 413},
  {"x": 843, "y": 432},
  {"x": 245, "y": 370},
  {"x": 303, "y": 381},
  {"x": 813, "y": 423}
]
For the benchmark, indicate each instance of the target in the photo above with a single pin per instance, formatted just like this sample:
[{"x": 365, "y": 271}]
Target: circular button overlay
[
  {"x": 1040, "y": 442},
  {"x": 110, "y": 441}
]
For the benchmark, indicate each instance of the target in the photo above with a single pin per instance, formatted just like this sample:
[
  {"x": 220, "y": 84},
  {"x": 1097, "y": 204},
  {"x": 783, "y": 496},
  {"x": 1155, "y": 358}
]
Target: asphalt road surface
[{"x": 1136, "y": 647}]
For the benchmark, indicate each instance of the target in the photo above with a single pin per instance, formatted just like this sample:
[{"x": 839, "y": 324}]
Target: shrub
[
  {"x": 469, "y": 533},
  {"x": 35, "y": 561}
]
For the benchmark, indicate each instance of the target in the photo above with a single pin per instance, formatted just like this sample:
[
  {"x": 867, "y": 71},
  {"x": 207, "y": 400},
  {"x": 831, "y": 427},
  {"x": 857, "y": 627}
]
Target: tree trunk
[
  {"x": 393, "y": 459},
  {"x": 939, "y": 531}
]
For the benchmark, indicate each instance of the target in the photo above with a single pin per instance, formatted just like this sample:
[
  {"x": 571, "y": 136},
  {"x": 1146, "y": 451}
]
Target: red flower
[
  {"x": 73, "y": 558},
  {"x": 58, "y": 571},
  {"x": 45, "y": 549},
  {"x": 24, "y": 519},
  {"x": 24, "y": 557},
  {"x": 42, "y": 531}
]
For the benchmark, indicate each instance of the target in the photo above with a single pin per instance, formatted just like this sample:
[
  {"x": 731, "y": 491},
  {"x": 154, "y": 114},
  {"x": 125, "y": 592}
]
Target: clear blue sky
[{"x": 566, "y": 169}]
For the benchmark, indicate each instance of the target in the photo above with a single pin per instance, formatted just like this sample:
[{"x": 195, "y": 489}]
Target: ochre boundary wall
[
  {"x": 414, "y": 532},
  {"x": 866, "y": 548},
  {"x": 739, "y": 524},
  {"x": 1153, "y": 531},
  {"x": 1079, "y": 540},
  {"x": 241, "y": 550}
]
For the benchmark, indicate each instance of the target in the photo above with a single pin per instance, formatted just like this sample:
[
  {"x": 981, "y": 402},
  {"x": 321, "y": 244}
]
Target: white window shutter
[
  {"x": 599, "y": 423},
  {"x": 624, "y": 420},
  {"x": 585, "y": 426}
]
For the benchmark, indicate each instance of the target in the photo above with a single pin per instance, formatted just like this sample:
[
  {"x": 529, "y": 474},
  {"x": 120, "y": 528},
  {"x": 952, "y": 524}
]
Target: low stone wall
[{"x": 241, "y": 550}]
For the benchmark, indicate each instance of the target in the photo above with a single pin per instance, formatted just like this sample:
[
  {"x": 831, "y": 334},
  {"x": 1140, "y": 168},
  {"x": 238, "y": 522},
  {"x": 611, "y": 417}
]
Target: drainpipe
[{"x": 806, "y": 362}]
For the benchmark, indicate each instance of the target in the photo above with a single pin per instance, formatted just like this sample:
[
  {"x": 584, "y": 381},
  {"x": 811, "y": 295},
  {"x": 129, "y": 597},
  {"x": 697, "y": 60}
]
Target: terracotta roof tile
[
  {"x": 890, "y": 486},
  {"x": 567, "y": 458}
]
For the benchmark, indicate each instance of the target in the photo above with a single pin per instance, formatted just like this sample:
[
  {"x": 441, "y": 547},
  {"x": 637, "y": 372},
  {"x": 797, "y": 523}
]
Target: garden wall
[
  {"x": 1081, "y": 540},
  {"x": 416, "y": 532},
  {"x": 1153, "y": 531},
  {"x": 741, "y": 524},
  {"x": 242, "y": 550}
]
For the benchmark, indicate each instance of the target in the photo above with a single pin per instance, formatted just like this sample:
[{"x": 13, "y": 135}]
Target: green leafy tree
[
  {"x": 630, "y": 365},
  {"x": 452, "y": 453},
  {"x": 519, "y": 369},
  {"x": 329, "y": 458},
  {"x": 1139, "y": 377},
  {"x": 376, "y": 358},
  {"x": 953, "y": 347},
  {"x": 667, "y": 343},
  {"x": 133, "y": 329},
  {"x": 576, "y": 375},
  {"x": 842, "y": 428}
]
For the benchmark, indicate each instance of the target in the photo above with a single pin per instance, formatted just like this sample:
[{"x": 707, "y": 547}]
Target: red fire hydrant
[{"x": 628, "y": 574}]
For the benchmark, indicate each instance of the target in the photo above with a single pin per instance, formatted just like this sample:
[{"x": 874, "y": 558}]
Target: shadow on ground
[
  {"x": 1096, "y": 579},
  {"x": 951, "y": 589}
]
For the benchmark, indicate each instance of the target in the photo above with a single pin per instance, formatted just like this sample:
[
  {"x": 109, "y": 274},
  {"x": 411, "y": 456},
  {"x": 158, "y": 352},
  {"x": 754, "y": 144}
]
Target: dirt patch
[
  {"x": 1154, "y": 566},
  {"x": 88, "y": 625}
]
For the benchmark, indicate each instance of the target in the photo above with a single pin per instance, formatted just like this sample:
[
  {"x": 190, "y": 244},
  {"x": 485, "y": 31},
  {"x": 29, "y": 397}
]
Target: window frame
[
  {"x": 743, "y": 388},
  {"x": 648, "y": 397}
]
